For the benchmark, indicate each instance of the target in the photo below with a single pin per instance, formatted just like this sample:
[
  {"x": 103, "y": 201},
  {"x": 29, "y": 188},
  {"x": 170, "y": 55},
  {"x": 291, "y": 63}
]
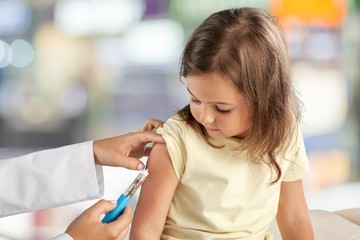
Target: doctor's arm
[
  {"x": 69, "y": 174},
  {"x": 293, "y": 215}
]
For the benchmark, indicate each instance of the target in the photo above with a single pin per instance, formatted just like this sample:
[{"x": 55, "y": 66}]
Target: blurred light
[
  {"x": 295, "y": 36},
  {"x": 322, "y": 45},
  {"x": 154, "y": 42},
  {"x": 321, "y": 13},
  {"x": 15, "y": 17},
  {"x": 5, "y": 54},
  {"x": 73, "y": 100},
  {"x": 87, "y": 18},
  {"x": 23, "y": 53},
  {"x": 324, "y": 94},
  {"x": 36, "y": 110},
  {"x": 155, "y": 8},
  {"x": 10, "y": 98},
  {"x": 110, "y": 51},
  {"x": 17, "y": 104},
  {"x": 190, "y": 12}
]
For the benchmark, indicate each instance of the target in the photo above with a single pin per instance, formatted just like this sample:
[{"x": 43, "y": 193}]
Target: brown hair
[{"x": 247, "y": 47}]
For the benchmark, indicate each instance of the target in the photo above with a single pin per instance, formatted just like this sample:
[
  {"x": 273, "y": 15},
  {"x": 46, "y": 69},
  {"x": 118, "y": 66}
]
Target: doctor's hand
[
  {"x": 125, "y": 150},
  {"x": 88, "y": 226}
]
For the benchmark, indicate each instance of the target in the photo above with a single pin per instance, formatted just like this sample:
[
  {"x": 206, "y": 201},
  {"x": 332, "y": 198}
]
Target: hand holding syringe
[{"x": 123, "y": 200}]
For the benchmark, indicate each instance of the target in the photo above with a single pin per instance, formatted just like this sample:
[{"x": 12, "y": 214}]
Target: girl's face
[{"x": 218, "y": 106}]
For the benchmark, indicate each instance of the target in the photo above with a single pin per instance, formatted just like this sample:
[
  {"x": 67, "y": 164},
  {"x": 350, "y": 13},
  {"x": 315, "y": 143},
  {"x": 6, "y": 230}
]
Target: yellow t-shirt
[{"x": 222, "y": 195}]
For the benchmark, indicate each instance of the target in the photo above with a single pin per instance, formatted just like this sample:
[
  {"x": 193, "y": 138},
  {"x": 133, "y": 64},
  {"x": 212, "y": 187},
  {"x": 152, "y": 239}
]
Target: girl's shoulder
[{"x": 176, "y": 125}]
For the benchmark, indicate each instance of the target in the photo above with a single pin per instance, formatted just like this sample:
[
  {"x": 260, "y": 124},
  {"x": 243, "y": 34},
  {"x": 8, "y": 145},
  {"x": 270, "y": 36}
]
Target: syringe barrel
[{"x": 136, "y": 183}]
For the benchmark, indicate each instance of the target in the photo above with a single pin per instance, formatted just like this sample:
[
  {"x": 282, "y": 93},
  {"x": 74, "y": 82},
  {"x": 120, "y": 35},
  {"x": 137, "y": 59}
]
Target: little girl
[{"x": 234, "y": 157}]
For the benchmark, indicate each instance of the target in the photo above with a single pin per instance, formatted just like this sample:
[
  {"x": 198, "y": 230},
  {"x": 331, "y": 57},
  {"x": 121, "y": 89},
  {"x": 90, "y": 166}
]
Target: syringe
[{"x": 123, "y": 200}]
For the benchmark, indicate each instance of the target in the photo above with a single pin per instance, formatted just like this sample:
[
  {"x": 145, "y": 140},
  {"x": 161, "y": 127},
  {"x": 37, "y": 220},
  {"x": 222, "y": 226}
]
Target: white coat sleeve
[
  {"x": 49, "y": 178},
  {"x": 63, "y": 236}
]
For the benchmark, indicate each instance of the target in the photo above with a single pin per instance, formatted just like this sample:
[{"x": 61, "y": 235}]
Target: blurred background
[{"x": 78, "y": 70}]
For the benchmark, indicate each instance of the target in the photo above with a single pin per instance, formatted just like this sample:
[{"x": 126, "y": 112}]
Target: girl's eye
[
  {"x": 222, "y": 110},
  {"x": 193, "y": 100}
]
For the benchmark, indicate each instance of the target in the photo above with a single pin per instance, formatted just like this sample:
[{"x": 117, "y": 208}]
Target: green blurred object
[
  {"x": 357, "y": 4},
  {"x": 191, "y": 13}
]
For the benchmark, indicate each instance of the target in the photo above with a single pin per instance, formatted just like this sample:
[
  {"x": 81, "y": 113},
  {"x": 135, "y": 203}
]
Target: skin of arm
[
  {"x": 155, "y": 197},
  {"x": 293, "y": 216}
]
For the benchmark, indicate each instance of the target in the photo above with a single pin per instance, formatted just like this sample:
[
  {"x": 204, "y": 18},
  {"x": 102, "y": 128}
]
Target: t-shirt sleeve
[
  {"x": 173, "y": 132},
  {"x": 297, "y": 158}
]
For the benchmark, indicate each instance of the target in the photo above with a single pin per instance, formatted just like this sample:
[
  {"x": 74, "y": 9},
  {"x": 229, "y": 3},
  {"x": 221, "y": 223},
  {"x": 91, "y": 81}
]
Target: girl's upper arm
[
  {"x": 293, "y": 215},
  {"x": 156, "y": 195}
]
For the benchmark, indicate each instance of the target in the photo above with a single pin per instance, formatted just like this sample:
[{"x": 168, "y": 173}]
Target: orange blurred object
[{"x": 320, "y": 13}]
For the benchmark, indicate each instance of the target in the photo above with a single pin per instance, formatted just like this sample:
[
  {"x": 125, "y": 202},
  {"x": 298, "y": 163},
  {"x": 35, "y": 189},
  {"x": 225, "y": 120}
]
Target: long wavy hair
[{"x": 247, "y": 47}]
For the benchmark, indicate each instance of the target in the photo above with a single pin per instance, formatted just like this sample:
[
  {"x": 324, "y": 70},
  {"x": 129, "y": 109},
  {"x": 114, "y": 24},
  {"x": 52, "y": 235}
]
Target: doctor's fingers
[
  {"x": 122, "y": 225},
  {"x": 115, "y": 151},
  {"x": 116, "y": 230},
  {"x": 151, "y": 124},
  {"x": 131, "y": 163},
  {"x": 100, "y": 207},
  {"x": 140, "y": 139}
]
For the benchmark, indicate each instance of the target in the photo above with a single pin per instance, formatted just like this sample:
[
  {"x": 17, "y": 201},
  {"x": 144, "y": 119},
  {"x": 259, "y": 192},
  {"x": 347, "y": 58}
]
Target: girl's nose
[{"x": 206, "y": 116}]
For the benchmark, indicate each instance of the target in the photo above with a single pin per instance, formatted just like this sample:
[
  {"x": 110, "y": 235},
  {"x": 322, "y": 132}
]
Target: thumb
[
  {"x": 101, "y": 207},
  {"x": 124, "y": 220},
  {"x": 129, "y": 162}
]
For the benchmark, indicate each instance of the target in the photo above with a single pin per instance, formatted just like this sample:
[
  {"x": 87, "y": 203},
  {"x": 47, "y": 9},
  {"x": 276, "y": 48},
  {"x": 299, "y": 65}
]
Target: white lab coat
[{"x": 49, "y": 178}]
